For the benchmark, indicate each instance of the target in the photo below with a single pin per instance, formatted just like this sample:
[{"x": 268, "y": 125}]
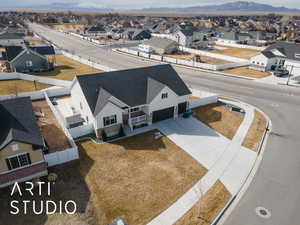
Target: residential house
[
  {"x": 124, "y": 100},
  {"x": 278, "y": 56},
  {"x": 9, "y": 38},
  {"x": 159, "y": 46},
  {"x": 27, "y": 59},
  {"x": 97, "y": 30},
  {"x": 188, "y": 36},
  {"x": 136, "y": 34},
  {"x": 21, "y": 144},
  {"x": 234, "y": 37}
]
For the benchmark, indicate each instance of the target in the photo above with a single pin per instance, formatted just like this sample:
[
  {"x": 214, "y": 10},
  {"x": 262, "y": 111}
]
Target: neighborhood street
[{"x": 276, "y": 183}]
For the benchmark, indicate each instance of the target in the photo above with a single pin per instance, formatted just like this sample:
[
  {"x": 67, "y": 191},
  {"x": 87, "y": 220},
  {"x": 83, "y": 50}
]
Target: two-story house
[
  {"x": 126, "y": 99},
  {"x": 21, "y": 143}
]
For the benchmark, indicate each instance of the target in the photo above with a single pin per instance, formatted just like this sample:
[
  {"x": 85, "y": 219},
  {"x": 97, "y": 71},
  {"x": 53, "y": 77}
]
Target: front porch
[{"x": 137, "y": 119}]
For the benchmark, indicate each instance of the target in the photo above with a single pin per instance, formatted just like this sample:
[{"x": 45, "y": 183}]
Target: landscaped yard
[
  {"x": 256, "y": 132},
  {"x": 137, "y": 177},
  {"x": 206, "y": 209},
  {"x": 219, "y": 118},
  {"x": 237, "y": 52},
  {"x": 67, "y": 69},
  {"x": 245, "y": 71},
  {"x": 19, "y": 86}
]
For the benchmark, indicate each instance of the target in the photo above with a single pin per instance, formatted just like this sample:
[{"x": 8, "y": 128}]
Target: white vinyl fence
[
  {"x": 205, "y": 98},
  {"x": 213, "y": 55},
  {"x": 40, "y": 79},
  {"x": 81, "y": 130},
  {"x": 87, "y": 62},
  {"x": 241, "y": 46},
  {"x": 68, "y": 154},
  {"x": 241, "y": 62}
]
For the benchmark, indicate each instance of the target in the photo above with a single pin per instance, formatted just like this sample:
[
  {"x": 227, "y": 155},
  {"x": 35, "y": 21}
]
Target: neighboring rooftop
[
  {"x": 18, "y": 122},
  {"x": 288, "y": 49}
]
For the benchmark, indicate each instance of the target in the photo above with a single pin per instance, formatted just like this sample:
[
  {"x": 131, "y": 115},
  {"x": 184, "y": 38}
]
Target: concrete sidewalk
[{"x": 225, "y": 160}]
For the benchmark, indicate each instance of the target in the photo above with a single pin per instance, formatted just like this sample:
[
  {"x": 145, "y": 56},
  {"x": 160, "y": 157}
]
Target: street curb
[
  {"x": 188, "y": 67},
  {"x": 233, "y": 202}
]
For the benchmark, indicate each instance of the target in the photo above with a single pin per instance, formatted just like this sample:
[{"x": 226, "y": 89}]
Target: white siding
[
  {"x": 172, "y": 100},
  {"x": 109, "y": 110},
  {"x": 77, "y": 98}
]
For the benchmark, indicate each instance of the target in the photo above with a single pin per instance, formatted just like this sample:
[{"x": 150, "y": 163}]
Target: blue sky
[{"x": 123, "y": 4}]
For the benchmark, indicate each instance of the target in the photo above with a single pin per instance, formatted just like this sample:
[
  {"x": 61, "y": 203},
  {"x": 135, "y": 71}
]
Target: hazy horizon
[{"x": 134, "y": 4}]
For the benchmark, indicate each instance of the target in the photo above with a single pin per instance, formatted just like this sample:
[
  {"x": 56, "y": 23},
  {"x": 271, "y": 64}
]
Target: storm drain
[{"x": 263, "y": 212}]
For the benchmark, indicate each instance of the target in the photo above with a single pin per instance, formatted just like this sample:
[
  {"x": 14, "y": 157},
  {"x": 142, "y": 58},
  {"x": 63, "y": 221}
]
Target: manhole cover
[{"x": 263, "y": 212}]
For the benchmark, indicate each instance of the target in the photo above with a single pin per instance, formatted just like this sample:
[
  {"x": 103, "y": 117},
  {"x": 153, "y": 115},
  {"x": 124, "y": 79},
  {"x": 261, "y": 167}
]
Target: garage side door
[
  {"x": 162, "y": 114},
  {"x": 182, "y": 107}
]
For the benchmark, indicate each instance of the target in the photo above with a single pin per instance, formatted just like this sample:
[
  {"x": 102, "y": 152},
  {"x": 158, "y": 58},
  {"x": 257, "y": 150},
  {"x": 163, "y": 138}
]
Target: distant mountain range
[{"x": 238, "y": 6}]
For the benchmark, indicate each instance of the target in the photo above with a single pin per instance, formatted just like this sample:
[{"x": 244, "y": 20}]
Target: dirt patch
[
  {"x": 256, "y": 132},
  {"x": 245, "y": 71},
  {"x": 219, "y": 118},
  {"x": 8, "y": 87},
  {"x": 50, "y": 128},
  {"x": 139, "y": 176},
  {"x": 67, "y": 69},
  {"x": 237, "y": 52},
  {"x": 206, "y": 209}
]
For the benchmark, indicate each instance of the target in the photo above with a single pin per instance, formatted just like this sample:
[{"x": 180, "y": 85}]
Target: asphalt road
[{"x": 277, "y": 181}]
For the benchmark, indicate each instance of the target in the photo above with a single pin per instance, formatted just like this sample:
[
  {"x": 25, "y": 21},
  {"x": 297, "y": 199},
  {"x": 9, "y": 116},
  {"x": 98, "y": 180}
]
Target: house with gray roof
[
  {"x": 112, "y": 102},
  {"x": 278, "y": 56},
  {"x": 21, "y": 143},
  {"x": 159, "y": 46},
  {"x": 26, "y": 59},
  {"x": 11, "y": 38}
]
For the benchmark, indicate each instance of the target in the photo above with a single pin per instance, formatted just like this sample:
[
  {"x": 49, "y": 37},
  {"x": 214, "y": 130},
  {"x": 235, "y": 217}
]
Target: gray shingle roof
[
  {"x": 157, "y": 42},
  {"x": 10, "y": 35},
  {"x": 43, "y": 49},
  {"x": 133, "y": 86},
  {"x": 286, "y": 48},
  {"x": 18, "y": 122}
]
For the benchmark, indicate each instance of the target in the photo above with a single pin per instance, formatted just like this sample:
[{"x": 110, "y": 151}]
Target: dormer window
[{"x": 164, "y": 95}]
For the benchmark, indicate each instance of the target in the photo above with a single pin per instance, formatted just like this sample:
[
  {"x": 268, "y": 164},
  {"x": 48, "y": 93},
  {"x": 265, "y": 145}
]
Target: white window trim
[
  {"x": 18, "y": 160},
  {"x": 15, "y": 147},
  {"x": 111, "y": 124}
]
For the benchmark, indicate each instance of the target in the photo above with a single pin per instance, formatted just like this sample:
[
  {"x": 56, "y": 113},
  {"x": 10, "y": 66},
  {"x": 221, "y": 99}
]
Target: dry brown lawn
[
  {"x": 137, "y": 177},
  {"x": 245, "y": 71},
  {"x": 31, "y": 42},
  {"x": 219, "y": 119},
  {"x": 67, "y": 26},
  {"x": 50, "y": 128},
  {"x": 256, "y": 132},
  {"x": 237, "y": 52},
  {"x": 193, "y": 97},
  {"x": 206, "y": 209},
  {"x": 19, "y": 86},
  {"x": 67, "y": 69}
]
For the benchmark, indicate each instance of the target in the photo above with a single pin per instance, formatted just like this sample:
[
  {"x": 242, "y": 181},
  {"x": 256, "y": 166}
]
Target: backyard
[
  {"x": 67, "y": 69},
  {"x": 50, "y": 128},
  {"x": 219, "y": 118},
  {"x": 19, "y": 86},
  {"x": 245, "y": 71},
  {"x": 236, "y": 52}
]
